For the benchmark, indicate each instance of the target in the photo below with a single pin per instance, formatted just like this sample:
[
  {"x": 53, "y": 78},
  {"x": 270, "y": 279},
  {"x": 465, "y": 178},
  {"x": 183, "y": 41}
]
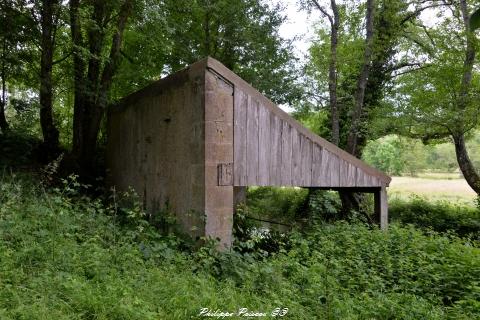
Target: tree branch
[
  {"x": 62, "y": 59},
  {"x": 415, "y": 13},
  {"x": 129, "y": 59},
  {"x": 322, "y": 10},
  {"x": 410, "y": 70}
]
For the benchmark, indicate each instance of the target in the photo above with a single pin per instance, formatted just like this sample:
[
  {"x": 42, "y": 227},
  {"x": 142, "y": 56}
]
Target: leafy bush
[
  {"x": 385, "y": 154},
  {"x": 324, "y": 206},
  {"x": 292, "y": 205},
  {"x": 16, "y": 148},
  {"x": 68, "y": 257},
  {"x": 281, "y": 203},
  {"x": 440, "y": 216}
]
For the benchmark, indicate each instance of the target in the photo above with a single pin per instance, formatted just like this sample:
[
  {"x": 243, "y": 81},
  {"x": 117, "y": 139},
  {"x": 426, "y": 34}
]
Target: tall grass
[
  {"x": 65, "y": 256},
  {"x": 441, "y": 216}
]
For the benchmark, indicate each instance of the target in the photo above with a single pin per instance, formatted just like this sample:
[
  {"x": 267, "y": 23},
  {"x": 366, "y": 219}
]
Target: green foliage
[
  {"x": 442, "y": 158},
  {"x": 385, "y": 154},
  {"x": 171, "y": 34},
  {"x": 24, "y": 115},
  {"x": 66, "y": 256},
  {"x": 324, "y": 206},
  {"x": 439, "y": 100},
  {"x": 316, "y": 121},
  {"x": 391, "y": 27},
  {"x": 397, "y": 155},
  {"x": 475, "y": 20},
  {"x": 282, "y": 203},
  {"x": 16, "y": 149},
  {"x": 440, "y": 216}
]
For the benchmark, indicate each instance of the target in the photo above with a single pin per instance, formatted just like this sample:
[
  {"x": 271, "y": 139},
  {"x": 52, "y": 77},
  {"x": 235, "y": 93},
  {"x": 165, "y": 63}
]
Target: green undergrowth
[
  {"x": 66, "y": 256},
  {"x": 440, "y": 216}
]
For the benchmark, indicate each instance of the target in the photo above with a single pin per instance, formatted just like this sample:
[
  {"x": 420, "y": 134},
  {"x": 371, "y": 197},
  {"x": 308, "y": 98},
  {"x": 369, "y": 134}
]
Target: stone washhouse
[{"x": 194, "y": 140}]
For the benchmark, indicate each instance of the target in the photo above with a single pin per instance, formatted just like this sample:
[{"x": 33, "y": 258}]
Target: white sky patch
[{"x": 299, "y": 27}]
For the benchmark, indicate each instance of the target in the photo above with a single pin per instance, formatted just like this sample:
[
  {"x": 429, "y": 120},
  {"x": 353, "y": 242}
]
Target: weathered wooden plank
[
  {"x": 286, "y": 177},
  {"x": 361, "y": 178},
  {"x": 352, "y": 175},
  {"x": 325, "y": 168},
  {"x": 296, "y": 158},
  {"x": 276, "y": 150},
  {"x": 306, "y": 169},
  {"x": 317, "y": 153},
  {"x": 347, "y": 174},
  {"x": 240, "y": 138},
  {"x": 373, "y": 181},
  {"x": 364, "y": 179},
  {"x": 343, "y": 173},
  {"x": 334, "y": 171},
  {"x": 264, "y": 143},
  {"x": 252, "y": 142}
]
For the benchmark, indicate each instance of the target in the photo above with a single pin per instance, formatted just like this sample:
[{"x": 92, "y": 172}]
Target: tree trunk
[
  {"x": 49, "y": 131},
  {"x": 466, "y": 166},
  {"x": 332, "y": 68},
  {"x": 3, "y": 102},
  {"x": 350, "y": 200},
  {"x": 106, "y": 79},
  {"x": 3, "y": 120},
  {"x": 332, "y": 75},
  {"x": 92, "y": 84},
  {"x": 79, "y": 79},
  {"x": 357, "y": 113}
]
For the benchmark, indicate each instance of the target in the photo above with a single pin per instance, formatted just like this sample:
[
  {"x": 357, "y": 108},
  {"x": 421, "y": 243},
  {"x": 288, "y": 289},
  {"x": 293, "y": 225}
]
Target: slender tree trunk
[
  {"x": 79, "y": 89},
  {"x": 466, "y": 166},
  {"x": 357, "y": 113},
  {"x": 332, "y": 68},
  {"x": 469, "y": 57},
  {"x": 468, "y": 170},
  {"x": 332, "y": 75},
  {"x": 49, "y": 131},
  {"x": 3, "y": 120},
  {"x": 3, "y": 102}
]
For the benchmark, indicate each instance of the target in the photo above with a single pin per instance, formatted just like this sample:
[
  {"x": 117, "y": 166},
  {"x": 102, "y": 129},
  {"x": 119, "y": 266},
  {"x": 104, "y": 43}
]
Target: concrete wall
[
  {"x": 156, "y": 145},
  {"x": 218, "y": 154},
  {"x": 169, "y": 141}
]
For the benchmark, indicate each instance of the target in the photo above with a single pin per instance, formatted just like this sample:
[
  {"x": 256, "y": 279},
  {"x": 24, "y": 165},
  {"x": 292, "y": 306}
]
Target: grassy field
[{"x": 433, "y": 186}]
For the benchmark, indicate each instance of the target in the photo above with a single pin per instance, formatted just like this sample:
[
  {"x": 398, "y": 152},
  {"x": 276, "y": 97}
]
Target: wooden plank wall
[{"x": 269, "y": 151}]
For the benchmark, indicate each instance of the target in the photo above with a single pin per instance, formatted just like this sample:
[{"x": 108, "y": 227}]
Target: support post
[
  {"x": 218, "y": 160},
  {"x": 381, "y": 207}
]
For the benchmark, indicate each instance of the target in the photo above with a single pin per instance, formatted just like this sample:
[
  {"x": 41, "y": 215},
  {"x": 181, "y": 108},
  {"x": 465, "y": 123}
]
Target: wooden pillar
[{"x": 381, "y": 207}]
